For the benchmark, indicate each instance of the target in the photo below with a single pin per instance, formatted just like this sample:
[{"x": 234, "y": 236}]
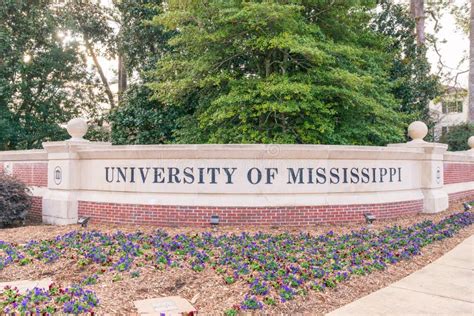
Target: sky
[{"x": 454, "y": 49}]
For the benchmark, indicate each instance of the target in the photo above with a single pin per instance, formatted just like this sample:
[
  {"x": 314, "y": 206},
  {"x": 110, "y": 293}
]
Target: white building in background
[{"x": 449, "y": 110}]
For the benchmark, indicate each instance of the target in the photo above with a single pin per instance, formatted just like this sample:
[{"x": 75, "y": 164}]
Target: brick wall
[
  {"x": 33, "y": 174},
  {"x": 36, "y": 212},
  {"x": 266, "y": 216},
  {"x": 458, "y": 172},
  {"x": 461, "y": 196}
]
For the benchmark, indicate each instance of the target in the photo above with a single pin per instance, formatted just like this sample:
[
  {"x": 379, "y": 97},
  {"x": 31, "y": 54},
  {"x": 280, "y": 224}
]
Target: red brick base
[
  {"x": 461, "y": 196},
  {"x": 267, "y": 216},
  {"x": 36, "y": 212},
  {"x": 32, "y": 174},
  {"x": 458, "y": 172}
]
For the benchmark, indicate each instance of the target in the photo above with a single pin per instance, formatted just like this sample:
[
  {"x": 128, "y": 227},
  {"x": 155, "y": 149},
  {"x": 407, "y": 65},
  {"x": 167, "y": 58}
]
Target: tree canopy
[
  {"x": 257, "y": 71},
  {"x": 43, "y": 80},
  {"x": 278, "y": 71},
  {"x": 412, "y": 83}
]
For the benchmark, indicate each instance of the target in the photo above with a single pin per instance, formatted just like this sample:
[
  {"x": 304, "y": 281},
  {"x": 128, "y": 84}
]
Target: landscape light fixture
[
  {"x": 369, "y": 219},
  {"x": 214, "y": 220},
  {"x": 83, "y": 221},
  {"x": 467, "y": 206}
]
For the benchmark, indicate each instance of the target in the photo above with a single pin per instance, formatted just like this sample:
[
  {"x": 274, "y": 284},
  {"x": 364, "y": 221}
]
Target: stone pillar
[
  {"x": 432, "y": 168},
  {"x": 60, "y": 203}
]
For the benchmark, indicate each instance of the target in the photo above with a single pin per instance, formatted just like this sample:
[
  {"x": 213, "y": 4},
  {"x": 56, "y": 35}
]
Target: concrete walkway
[{"x": 444, "y": 287}]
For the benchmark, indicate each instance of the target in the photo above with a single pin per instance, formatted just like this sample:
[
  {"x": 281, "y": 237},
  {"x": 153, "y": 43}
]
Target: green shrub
[
  {"x": 97, "y": 133},
  {"x": 15, "y": 200},
  {"x": 140, "y": 120},
  {"x": 457, "y": 136}
]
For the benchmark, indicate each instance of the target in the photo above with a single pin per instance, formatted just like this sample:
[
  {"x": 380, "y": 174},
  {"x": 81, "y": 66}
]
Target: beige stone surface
[
  {"x": 60, "y": 207},
  {"x": 422, "y": 169},
  {"x": 460, "y": 257},
  {"x": 34, "y": 155},
  {"x": 435, "y": 200},
  {"x": 26, "y": 285},
  {"x": 60, "y": 203},
  {"x": 77, "y": 128},
  {"x": 441, "y": 280},
  {"x": 444, "y": 287},
  {"x": 395, "y": 301},
  {"x": 93, "y": 176},
  {"x": 257, "y": 200},
  {"x": 417, "y": 131},
  {"x": 169, "y": 306},
  {"x": 237, "y": 151},
  {"x": 431, "y": 172},
  {"x": 458, "y": 187},
  {"x": 459, "y": 156}
]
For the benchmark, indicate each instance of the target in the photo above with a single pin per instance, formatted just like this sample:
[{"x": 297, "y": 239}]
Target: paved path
[{"x": 444, "y": 287}]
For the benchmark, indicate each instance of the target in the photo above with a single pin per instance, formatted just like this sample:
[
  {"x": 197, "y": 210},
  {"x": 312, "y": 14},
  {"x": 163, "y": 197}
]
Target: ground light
[
  {"x": 215, "y": 221},
  {"x": 467, "y": 207},
  {"x": 83, "y": 221},
  {"x": 369, "y": 219}
]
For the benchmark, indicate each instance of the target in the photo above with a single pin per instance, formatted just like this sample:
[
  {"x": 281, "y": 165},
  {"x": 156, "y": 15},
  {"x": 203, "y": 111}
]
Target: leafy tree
[
  {"x": 278, "y": 71},
  {"x": 140, "y": 43},
  {"x": 97, "y": 132},
  {"x": 90, "y": 23},
  {"x": 413, "y": 84},
  {"x": 141, "y": 120},
  {"x": 457, "y": 136},
  {"x": 43, "y": 80}
]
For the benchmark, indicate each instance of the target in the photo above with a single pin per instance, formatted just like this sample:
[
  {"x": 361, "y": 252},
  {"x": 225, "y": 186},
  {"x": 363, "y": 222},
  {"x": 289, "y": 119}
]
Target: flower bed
[
  {"x": 276, "y": 267},
  {"x": 73, "y": 300}
]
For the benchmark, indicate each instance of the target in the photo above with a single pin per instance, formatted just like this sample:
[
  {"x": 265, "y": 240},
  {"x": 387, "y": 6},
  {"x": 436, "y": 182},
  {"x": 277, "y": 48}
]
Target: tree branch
[{"x": 103, "y": 78}]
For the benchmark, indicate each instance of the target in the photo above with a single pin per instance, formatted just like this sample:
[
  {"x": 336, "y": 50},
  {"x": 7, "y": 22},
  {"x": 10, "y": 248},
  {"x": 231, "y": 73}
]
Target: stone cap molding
[
  {"x": 459, "y": 156},
  {"x": 103, "y": 150},
  {"x": 33, "y": 155},
  {"x": 257, "y": 151},
  {"x": 459, "y": 187},
  {"x": 107, "y": 151}
]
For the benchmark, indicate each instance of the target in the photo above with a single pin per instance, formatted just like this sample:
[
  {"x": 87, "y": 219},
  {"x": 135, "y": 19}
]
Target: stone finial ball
[
  {"x": 470, "y": 142},
  {"x": 417, "y": 130},
  {"x": 77, "y": 128}
]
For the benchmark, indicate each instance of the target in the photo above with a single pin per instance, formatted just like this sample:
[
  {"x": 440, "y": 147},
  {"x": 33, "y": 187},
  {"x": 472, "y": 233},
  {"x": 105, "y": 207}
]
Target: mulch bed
[{"x": 208, "y": 291}]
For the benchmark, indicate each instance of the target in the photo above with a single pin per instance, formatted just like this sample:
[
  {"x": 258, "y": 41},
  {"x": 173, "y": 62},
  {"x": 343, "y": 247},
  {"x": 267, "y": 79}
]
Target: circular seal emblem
[
  {"x": 58, "y": 175},
  {"x": 438, "y": 175},
  {"x": 273, "y": 150}
]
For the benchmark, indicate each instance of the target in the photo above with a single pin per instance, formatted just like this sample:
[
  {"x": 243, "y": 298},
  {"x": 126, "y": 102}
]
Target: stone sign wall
[
  {"x": 243, "y": 184},
  {"x": 248, "y": 176}
]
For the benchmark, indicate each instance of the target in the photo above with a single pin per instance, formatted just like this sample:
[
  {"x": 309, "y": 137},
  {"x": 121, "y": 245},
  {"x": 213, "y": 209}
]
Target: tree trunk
[
  {"x": 471, "y": 65},
  {"x": 103, "y": 78},
  {"x": 267, "y": 65},
  {"x": 418, "y": 13},
  {"x": 122, "y": 77}
]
